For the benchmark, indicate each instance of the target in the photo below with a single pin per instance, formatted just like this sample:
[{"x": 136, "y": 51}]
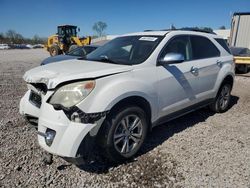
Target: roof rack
[
  {"x": 184, "y": 29},
  {"x": 197, "y": 30},
  {"x": 148, "y": 30}
]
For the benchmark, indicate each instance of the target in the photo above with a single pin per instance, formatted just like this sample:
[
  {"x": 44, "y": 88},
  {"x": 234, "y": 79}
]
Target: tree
[
  {"x": 14, "y": 37},
  {"x": 173, "y": 27},
  {"x": 1, "y": 38},
  {"x": 10, "y": 35},
  {"x": 18, "y": 39},
  {"x": 222, "y": 27},
  {"x": 99, "y": 27},
  {"x": 36, "y": 39}
]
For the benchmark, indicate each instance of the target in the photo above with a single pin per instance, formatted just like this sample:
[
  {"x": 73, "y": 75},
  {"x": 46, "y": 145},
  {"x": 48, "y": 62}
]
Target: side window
[
  {"x": 179, "y": 44},
  {"x": 223, "y": 43},
  {"x": 202, "y": 48}
]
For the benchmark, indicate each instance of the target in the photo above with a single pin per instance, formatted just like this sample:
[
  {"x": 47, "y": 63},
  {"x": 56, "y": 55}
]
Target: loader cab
[
  {"x": 65, "y": 33},
  {"x": 67, "y": 30}
]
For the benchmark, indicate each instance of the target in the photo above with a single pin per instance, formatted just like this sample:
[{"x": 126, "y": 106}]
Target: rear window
[
  {"x": 223, "y": 43},
  {"x": 203, "y": 48}
]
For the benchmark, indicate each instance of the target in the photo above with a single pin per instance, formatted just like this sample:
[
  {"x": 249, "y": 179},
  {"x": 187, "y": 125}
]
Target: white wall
[{"x": 225, "y": 33}]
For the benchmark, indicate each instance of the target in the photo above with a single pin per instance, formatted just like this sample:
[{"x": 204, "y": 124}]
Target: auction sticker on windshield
[{"x": 149, "y": 38}]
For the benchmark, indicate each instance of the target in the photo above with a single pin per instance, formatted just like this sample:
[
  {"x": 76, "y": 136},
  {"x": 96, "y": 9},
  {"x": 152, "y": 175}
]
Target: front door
[{"x": 178, "y": 84}]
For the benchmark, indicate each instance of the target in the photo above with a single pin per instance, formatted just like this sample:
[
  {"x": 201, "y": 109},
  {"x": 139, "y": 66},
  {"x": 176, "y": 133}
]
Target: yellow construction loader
[{"x": 65, "y": 40}]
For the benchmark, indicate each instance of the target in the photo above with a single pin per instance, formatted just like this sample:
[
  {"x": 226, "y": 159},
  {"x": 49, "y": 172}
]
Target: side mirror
[{"x": 171, "y": 58}]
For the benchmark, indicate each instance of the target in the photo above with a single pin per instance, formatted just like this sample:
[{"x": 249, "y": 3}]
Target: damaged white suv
[{"x": 117, "y": 94}]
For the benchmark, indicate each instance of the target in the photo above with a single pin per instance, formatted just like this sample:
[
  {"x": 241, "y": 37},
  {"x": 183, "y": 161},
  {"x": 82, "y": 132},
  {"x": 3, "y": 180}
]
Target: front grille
[{"x": 35, "y": 99}]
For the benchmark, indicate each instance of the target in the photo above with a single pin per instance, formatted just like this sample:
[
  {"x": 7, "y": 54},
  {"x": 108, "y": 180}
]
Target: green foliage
[{"x": 99, "y": 28}]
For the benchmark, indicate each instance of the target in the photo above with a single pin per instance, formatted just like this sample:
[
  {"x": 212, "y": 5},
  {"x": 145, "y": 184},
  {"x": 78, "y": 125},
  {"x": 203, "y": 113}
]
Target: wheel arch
[
  {"x": 228, "y": 79},
  {"x": 137, "y": 101}
]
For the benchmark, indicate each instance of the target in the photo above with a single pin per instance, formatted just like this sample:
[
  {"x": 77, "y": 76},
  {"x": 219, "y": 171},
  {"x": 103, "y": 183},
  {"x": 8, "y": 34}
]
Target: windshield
[{"x": 129, "y": 50}]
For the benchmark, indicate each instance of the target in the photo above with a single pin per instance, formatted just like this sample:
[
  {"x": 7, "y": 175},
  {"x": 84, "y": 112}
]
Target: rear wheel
[
  {"x": 223, "y": 98},
  {"x": 123, "y": 133},
  {"x": 54, "y": 50},
  {"x": 242, "y": 69}
]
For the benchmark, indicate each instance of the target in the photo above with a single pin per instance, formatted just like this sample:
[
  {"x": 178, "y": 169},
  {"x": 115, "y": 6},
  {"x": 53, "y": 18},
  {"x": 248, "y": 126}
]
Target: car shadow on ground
[{"x": 158, "y": 135}]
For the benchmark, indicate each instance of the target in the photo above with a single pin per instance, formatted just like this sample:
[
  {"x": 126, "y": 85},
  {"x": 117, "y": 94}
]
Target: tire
[
  {"x": 54, "y": 50},
  {"x": 72, "y": 47},
  {"x": 223, "y": 98},
  {"x": 243, "y": 69},
  {"x": 114, "y": 138}
]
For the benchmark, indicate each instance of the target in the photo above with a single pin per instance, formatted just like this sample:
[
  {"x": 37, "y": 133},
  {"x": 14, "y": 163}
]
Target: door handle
[
  {"x": 219, "y": 63},
  {"x": 194, "y": 71}
]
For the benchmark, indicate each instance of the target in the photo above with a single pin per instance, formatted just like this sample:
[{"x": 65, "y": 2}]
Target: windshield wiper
[
  {"x": 106, "y": 59},
  {"x": 82, "y": 58}
]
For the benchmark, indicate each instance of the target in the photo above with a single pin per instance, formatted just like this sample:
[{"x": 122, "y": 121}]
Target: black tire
[
  {"x": 72, "y": 47},
  {"x": 54, "y": 50},
  {"x": 111, "y": 126},
  {"x": 243, "y": 69},
  {"x": 222, "y": 101}
]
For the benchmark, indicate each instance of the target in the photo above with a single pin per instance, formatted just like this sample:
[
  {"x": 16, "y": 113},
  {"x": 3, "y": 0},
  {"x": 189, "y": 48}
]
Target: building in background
[
  {"x": 225, "y": 33},
  {"x": 240, "y": 30}
]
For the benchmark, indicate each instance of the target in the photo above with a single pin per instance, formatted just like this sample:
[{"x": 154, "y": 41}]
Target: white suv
[{"x": 114, "y": 97}]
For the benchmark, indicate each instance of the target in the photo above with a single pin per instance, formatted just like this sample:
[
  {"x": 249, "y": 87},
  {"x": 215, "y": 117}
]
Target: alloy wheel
[
  {"x": 128, "y": 135},
  {"x": 224, "y": 97}
]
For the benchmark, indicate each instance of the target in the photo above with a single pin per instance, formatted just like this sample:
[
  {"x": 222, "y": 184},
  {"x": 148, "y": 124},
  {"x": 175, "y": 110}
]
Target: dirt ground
[{"x": 201, "y": 149}]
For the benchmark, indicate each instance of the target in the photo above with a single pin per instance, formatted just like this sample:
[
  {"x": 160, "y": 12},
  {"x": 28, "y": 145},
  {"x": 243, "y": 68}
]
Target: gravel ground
[{"x": 201, "y": 149}]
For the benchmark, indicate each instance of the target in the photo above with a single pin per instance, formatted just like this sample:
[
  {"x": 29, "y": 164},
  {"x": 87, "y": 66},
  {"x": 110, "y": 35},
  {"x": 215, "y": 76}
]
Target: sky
[{"x": 30, "y": 17}]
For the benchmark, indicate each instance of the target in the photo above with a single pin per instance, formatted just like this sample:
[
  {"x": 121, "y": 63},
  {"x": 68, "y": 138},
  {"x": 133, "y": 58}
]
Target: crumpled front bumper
[
  {"x": 27, "y": 108},
  {"x": 69, "y": 135}
]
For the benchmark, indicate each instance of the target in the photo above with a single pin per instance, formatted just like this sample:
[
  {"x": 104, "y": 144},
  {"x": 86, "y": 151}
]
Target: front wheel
[
  {"x": 242, "y": 69},
  {"x": 222, "y": 100},
  {"x": 123, "y": 133},
  {"x": 54, "y": 50}
]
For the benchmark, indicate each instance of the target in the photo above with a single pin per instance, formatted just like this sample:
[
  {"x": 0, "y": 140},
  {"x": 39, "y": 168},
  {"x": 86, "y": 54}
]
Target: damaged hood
[{"x": 56, "y": 73}]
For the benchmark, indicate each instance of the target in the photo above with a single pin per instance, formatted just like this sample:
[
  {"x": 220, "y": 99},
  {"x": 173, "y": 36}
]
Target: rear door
[{"x": 206, "y": 58}]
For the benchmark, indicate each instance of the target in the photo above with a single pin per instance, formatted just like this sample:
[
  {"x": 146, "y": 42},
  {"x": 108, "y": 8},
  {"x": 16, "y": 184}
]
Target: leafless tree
[{"x": 99, "y": 27}]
